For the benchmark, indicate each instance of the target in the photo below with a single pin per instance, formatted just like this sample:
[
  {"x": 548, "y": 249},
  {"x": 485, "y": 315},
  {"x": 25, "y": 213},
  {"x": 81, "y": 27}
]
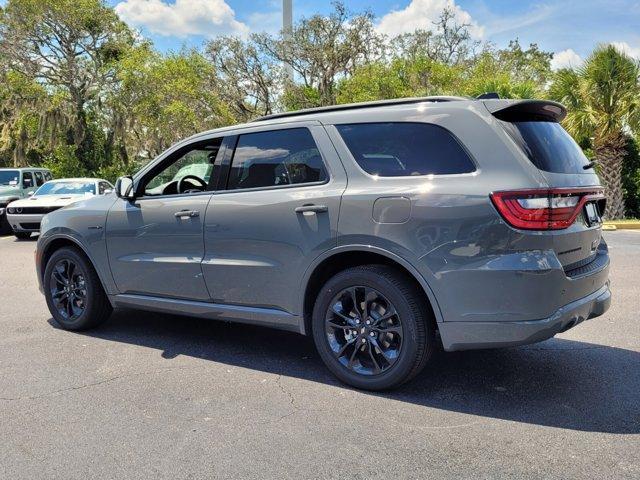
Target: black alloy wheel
[
  {"x": 364, "y": 330},
  {"x": 68, "y": 289}
]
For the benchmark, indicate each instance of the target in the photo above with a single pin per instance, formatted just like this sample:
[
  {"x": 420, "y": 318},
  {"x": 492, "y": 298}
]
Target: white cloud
[
  {"x": 501, "y": 23},
  {"x": 209, "y": 18},
  {"x": 624, "y": 47},
  {"x": 565, "y": 59},
  {"x": 420, "y": 14}
]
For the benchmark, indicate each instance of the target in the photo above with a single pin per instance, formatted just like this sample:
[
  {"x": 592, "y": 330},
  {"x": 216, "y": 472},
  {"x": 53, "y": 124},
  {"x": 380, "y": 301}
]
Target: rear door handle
[
  {"x": 187, "y": 214},
  {"x": 312, "y": 209}
]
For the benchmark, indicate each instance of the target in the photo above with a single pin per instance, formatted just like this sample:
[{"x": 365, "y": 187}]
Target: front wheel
[
  {"x": 373, "y": 327},
  {"x": 73, "y": 291}
]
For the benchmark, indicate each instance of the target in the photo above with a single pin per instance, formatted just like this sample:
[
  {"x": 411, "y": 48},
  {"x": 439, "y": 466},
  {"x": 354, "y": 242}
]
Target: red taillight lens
[{"x": 543, "y": 209}]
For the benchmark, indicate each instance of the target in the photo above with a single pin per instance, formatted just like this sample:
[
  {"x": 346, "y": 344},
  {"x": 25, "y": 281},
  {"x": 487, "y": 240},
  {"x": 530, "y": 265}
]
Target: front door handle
[
  {"x": 312, "y": 209},
  {"x": 187, "y": 214}
]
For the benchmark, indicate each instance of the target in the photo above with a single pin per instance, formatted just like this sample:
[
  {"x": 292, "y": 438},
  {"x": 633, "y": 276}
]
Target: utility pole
[{"x": 287, "y": 28}]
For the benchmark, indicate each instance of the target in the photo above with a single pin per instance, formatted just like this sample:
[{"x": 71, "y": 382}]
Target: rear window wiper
[{"x": 589, "y": 165}]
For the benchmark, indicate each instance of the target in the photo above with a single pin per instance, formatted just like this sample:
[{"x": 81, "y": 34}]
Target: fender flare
[
  {"x": 46, "y": 242},
  {"x": 369, "y": 249}
]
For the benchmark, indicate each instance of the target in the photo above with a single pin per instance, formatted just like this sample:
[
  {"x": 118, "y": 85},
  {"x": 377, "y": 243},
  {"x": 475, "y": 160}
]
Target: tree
[
  {"x": 165, "y": 98},
  {"x": 448, "y": 42},
  {"x": 71, "y": 46},
  {"x": 603, "y": 100},
  {"x": 530, "y": 65},
  {"x": 250, "y": 77},
  {"x": 323, "y": 49}
]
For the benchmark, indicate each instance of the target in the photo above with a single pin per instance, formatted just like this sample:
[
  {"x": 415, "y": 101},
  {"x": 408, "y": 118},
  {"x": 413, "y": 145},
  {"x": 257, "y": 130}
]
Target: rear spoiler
[{"x": 526, "y": 110}]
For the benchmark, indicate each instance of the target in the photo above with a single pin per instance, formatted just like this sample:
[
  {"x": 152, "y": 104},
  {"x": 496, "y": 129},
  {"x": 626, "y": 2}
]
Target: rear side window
[
  {"x": 276, "y": 158},
  {"x": 405, "y": 149},
  {"x": 548, "y": 146},
  {"x": 27, "y": 180},
  {"x": 39, "y": 178}
]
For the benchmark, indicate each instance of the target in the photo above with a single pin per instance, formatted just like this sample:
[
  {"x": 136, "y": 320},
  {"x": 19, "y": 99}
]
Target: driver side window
[{"x": 189, "y": 170}]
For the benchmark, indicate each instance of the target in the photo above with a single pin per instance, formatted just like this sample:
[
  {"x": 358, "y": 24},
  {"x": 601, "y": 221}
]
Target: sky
[{"x": 568, "y": 28}]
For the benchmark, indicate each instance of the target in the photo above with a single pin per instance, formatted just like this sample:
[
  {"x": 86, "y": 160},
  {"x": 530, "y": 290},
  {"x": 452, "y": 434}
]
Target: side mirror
[
  {"x": 107, "y": 191},
  {"x": 30, "y": 194},
  {"x": 124, "y": 188}
]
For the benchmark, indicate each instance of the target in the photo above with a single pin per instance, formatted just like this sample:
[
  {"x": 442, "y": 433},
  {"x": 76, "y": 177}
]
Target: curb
[{"x": 633, "y": 225}]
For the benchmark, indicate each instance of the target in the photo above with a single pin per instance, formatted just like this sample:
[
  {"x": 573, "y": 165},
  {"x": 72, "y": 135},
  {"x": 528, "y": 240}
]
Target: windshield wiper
[{"x": 589, "y": 165}]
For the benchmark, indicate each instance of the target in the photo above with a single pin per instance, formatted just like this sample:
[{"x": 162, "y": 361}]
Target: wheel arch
[
  {"x": 56, "y": 242},
  {"x": 341, "y": 258}
]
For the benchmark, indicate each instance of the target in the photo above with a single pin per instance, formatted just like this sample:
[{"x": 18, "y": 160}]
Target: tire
[
  {"x": 410, "y": 332},
  {"x": 22, "y": 235},
  {"x": 5, "y": 228},
  {"x": 90, "y": 305}
]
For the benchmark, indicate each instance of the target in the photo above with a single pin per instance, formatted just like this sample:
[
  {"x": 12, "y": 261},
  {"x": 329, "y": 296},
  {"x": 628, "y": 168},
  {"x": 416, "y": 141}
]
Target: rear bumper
[{"x": 475, "y": 335}]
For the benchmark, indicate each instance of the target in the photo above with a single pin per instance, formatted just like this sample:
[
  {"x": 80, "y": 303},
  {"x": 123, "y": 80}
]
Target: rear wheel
[
  {"x": 372, "y": 327},
  {"x": 73, "y": 291},
  {"x": 22, "y": 235}
]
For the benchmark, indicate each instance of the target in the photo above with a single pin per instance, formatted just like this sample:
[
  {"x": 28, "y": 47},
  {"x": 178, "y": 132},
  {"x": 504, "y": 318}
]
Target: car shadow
[{"x": 558, "y": 383}]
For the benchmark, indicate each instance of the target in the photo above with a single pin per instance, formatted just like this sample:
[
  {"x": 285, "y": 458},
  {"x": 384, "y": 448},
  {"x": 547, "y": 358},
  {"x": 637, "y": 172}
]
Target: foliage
[
  {"x": 321, "y": 49},
  {"x": 64, "y": 163},
  {"x": 631, "y": 178},
  {"x": 603, "y": 100},
  {"x": 84, "y": 95}
]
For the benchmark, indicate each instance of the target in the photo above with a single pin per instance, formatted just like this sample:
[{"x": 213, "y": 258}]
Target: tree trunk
[
  {"x": 610, "y": 153},
  {"x": 20, "y": 149}
]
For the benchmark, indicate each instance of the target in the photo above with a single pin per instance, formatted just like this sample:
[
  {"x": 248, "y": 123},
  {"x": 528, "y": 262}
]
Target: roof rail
[{"x": 352, "y": 106}]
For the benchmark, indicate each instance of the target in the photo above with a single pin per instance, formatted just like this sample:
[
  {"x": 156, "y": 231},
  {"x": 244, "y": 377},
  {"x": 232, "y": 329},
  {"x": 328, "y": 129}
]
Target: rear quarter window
[
  {"x": 399, "y": 149},
  {"x": 548, "y": 146}
]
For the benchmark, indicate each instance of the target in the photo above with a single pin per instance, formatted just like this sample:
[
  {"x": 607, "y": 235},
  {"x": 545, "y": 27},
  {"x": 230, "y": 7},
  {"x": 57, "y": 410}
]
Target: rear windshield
[
  {"x": 9, "y": 177},
  {"x": 405, "y": 149},
  {"x": 548, "y": 146}
]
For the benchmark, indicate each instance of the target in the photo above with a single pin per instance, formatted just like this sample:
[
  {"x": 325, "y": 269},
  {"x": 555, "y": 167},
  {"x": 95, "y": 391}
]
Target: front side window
[
  {"x": 405, "y": 149},
  {"x": 187, "y": 171},
  {"x": 276, "y": 158},
  {"x": 67, "y": 188}
]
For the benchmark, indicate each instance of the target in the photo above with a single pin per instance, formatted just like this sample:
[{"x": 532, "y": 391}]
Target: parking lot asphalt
[{"x": 156, "y": 396}]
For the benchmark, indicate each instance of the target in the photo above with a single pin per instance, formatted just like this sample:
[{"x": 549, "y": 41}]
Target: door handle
[
  {"x": 187, "y": 214},
  {"x": 312, "y": 208}
]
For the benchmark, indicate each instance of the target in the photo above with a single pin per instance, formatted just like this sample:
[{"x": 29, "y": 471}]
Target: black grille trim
[
  {"x": 36, "y": 210},
  {"x": 30, "y": 226}
]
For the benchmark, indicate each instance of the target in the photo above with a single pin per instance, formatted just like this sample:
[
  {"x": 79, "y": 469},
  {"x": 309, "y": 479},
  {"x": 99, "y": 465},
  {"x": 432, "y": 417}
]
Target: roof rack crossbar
[{"x": 352, "y": 106}]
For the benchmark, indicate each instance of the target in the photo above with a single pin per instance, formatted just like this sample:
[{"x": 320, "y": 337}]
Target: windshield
[
  {"x": 9, "y": 177},
  {"x": 67, "y": 188},
  {"x": 548, "y": 146}
]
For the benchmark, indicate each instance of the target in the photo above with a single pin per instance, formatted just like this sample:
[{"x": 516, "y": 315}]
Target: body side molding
[{"x": 268, "y": 317}]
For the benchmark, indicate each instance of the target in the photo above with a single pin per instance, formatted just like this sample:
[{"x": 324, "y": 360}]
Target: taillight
[{"x": 544, "y": 209}]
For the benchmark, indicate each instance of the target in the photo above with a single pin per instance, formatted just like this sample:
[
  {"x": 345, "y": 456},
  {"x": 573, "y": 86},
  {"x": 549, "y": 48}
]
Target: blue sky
[{"x": 569, "y": 28}]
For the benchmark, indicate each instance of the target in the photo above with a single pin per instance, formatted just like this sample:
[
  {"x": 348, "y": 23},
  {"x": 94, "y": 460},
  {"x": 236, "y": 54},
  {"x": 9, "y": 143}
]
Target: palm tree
[{"x": 603, "y": 102}]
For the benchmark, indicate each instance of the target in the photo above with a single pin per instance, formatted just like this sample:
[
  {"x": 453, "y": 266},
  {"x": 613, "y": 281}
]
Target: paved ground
[{"x": 169, "y": 397}]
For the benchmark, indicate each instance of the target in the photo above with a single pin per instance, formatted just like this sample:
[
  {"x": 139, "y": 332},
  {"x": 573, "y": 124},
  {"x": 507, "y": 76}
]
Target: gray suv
[{"x": 384, "y": 230}]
